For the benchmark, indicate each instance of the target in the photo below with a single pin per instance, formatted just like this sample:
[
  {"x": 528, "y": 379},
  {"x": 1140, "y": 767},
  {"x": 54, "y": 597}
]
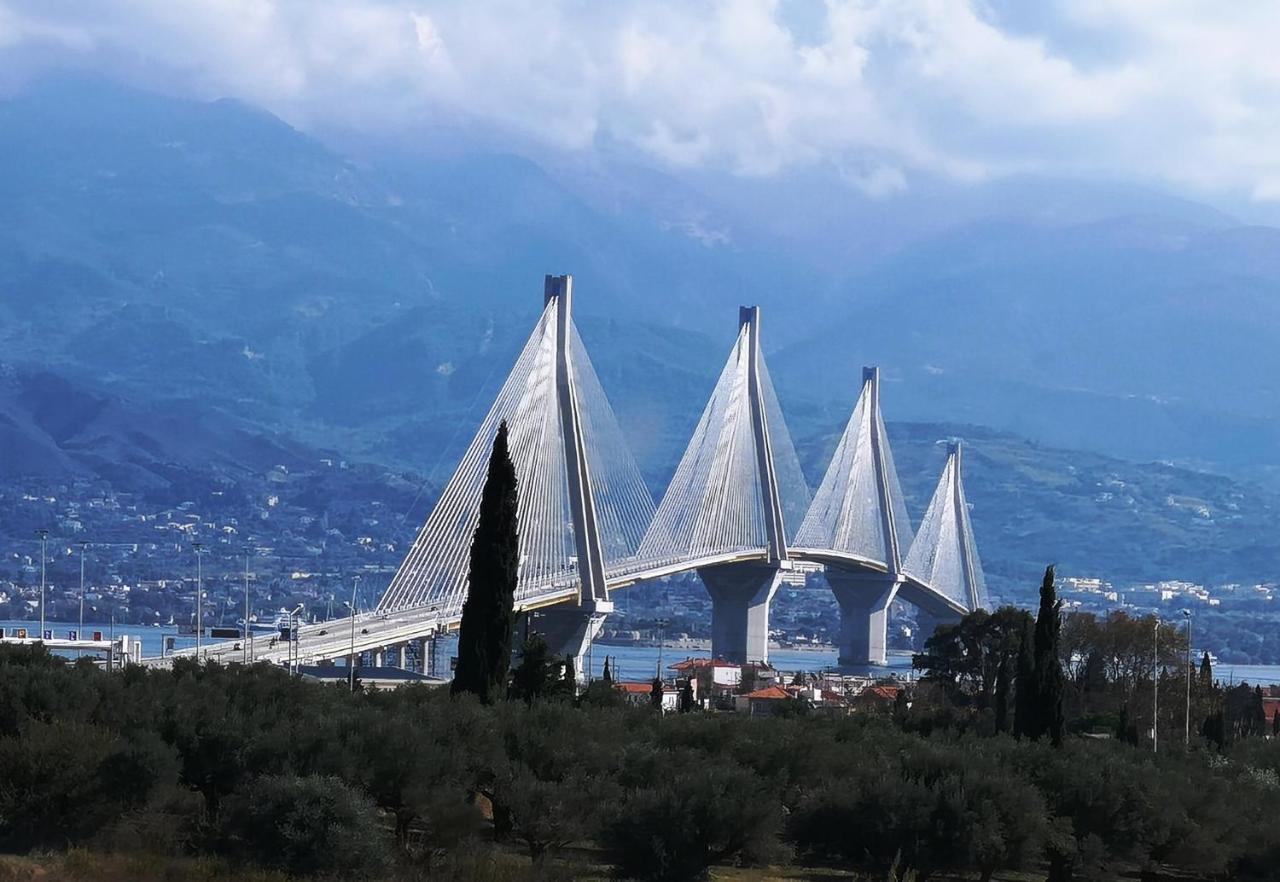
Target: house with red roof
[{"x": 764, "y": 702}]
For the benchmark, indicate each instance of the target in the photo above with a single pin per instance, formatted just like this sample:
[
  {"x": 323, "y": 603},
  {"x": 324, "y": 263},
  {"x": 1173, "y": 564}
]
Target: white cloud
[{"x": 1173, "y": 92}]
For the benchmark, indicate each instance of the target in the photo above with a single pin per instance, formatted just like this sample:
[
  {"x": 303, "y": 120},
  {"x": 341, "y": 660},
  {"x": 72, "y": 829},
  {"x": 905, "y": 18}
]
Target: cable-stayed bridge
[{"x": 737, "y": 511}]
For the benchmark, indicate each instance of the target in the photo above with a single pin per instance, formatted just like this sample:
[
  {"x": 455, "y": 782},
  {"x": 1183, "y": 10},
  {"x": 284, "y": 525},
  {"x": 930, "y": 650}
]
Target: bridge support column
[
  {"x": 379, "y": 657},
  {"x": 570, "y": 630},
  {"x": 424, "y": 655},
  {"x": 864, "y": 600},
  {"x": 401, "y": 656},
  {"x": 740, "y": 596}
]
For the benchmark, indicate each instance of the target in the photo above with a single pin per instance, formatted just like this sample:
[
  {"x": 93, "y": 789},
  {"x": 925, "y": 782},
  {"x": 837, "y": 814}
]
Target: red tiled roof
[
  {"x": 889, "y": 693},
  {"x": 634, "y": 688},
  {"x": 769, "y": 693}
]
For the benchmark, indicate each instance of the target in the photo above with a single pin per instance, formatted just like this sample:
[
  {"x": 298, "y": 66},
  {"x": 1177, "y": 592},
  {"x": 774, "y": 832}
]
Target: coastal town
[{"x": 311, "y": 537}]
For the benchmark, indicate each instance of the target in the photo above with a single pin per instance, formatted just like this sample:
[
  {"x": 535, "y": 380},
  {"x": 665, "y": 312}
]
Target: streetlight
[
  {"x": 44, "y": 538},
  {"x": 351, "y": 659},
  {"x": 295, "y": 651},
  {"x": 662, "y": 638},
  {"x": 80, "y": 633},
  {"x": 1187, "y": 613},
  {"x": 199, "y": 550},
  {"x": 1155, "y": 688},
  {"x": 245, "y": 635}
]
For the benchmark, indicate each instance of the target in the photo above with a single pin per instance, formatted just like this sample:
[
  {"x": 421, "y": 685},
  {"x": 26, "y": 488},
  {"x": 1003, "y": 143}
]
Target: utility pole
[
  {"x": 44, "y": 539},
  {"x": 199, "y": 549},
  {"x": 351, "y": 659},
  {"x": 1155, "y": 688},
  {"x": 1187, "y": 613},
  {"x": 80, "y": 633},
  {"x": 245, "y": 635},
  {"x": 662, "y": 638}
]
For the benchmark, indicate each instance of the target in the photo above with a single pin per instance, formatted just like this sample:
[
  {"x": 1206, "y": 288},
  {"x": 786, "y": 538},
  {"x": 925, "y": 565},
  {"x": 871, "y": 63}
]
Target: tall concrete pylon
[
  {"x": 859, "y": 514},
  {"x": 570, "y": 629},
  {"x": 742, "y": 591},
  {"x": 944, "y": 554}
]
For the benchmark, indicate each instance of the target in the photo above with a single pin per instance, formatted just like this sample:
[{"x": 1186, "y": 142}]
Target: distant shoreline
[{"x": 704, "y": 645}]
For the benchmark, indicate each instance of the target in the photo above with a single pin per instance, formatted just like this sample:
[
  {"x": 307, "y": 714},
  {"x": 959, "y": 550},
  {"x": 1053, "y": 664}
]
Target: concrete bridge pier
[
  {"x": 400, "y": 656},
  {"x": 740, "y": 596},
  {"x": 864, "y": 600},
  {"x": 570, "y": 629},
  {"x": 425, "y": 645}
]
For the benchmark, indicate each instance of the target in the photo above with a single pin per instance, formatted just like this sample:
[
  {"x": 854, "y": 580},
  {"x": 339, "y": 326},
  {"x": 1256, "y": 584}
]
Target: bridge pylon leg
[
  {"x": 570, "y": 629},
  {"x": 864, "y": 600},
  {"x": 740, "y": 597}
]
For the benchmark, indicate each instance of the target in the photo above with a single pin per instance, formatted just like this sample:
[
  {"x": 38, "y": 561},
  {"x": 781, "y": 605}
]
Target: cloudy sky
[{"x": 1178, "y": 94}]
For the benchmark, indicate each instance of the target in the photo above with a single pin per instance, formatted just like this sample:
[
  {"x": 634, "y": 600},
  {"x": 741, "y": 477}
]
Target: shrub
[
  {"x": 309, "y": 825},
  {"x": 692, "y": 818}
]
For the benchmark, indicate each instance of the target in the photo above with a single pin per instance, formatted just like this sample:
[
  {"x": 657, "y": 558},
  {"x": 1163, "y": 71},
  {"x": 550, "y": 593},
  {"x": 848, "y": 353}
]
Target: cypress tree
[
  {"x": 1024, "y": 696},
  {"x": 607, "y": 676},
  {"x": 655, "y": 694},
  {"x": 1002, "y": 694},
  {"x": 1049, "y": 678},
  {"x": 488, "y": 615},
  {"x": 686, "y": 697},
  {"x": 570, "y": 674},
  {"x": 1206, "y": 672},
  {"x": 535, "y": 674}
]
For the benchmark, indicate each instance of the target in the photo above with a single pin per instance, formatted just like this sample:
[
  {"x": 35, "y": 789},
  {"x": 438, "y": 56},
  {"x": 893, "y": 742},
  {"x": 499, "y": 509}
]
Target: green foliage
[
  {"x": 484, "y": 636},
  {"x": 1048, "y": 718},
  {"x": 538, "y": 674},
  {"x": 413, "y": 783},
  {"x": 693, "y": 816},
  {"x": 309, "y": 825}
]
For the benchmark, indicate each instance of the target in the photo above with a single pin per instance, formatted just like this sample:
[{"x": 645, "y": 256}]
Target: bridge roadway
[{"x": 377, "y": 631}]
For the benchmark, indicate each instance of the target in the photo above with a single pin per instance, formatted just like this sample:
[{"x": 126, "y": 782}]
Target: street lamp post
[
  {"x": 245, "y": 635},
  {"x": 1187, "y": 736},
  {"x": 295, "y": 650},
  {"x": 199, "y": 550},
  {"x": 80, "y": 633},
  {"x": 1155, "y": 688},
  {"x": 351, "y": 659},
  {"x": 662, "y": 638},
  {"x": 44, "y": 539}
]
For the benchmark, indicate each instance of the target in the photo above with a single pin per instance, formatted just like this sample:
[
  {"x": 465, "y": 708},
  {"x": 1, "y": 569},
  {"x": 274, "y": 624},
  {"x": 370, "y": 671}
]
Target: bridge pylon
[
  {"x": 859, "y": 515},
  {"x": 726, "y": 510},
  {"x": 944, "y": 553},
  {"x": 582, "y": 501},
  {"x": 742, "y": 592}
]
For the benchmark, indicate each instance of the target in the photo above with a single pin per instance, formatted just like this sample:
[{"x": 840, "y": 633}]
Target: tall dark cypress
[
  {"x": 488, "y": 615},
  {"x": 1206, "y": 672},
  {"x": 1024, "y": 696},
  {"x": 1049, "y": 677}
]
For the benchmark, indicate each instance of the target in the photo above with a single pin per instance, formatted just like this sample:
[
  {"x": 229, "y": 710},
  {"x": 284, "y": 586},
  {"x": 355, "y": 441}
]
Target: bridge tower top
[
  {"x": 766, "y": 474},
  {"x": 944, "y": 554},
  {"x": 582, "y": 506},
  {"x": 859, "y": 508}
]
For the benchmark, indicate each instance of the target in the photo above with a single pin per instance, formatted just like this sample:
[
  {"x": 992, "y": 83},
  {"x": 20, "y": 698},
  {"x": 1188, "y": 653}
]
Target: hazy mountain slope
[
  {"x": 54, "y": 427},
  {"x": 1144, "y": 337}
]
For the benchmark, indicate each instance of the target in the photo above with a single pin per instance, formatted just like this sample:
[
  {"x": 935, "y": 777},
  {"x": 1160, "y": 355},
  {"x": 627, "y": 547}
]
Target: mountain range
[{"x": 172, "y": 269}]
